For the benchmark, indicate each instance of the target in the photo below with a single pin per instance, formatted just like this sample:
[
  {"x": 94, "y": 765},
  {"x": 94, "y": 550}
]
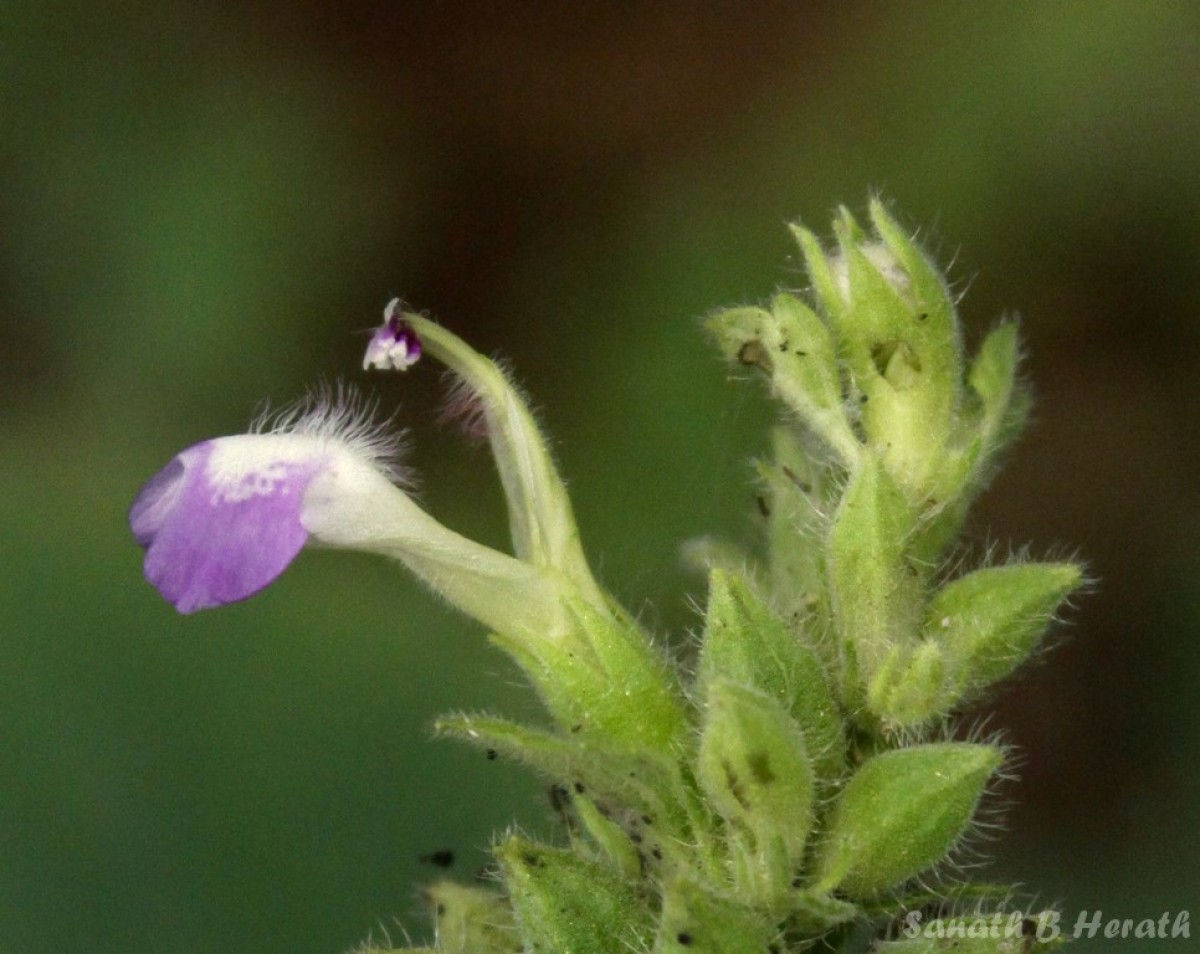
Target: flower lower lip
[{"x": 212, "y": 538}]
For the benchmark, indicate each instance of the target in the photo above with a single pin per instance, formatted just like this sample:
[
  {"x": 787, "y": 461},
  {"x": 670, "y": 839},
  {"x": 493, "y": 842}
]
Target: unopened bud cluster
[
  {"x": 806, "y": 781},
  {"x": 799, "y": 781}
]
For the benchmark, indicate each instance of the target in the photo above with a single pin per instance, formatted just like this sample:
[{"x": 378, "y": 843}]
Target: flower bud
[
  {"x": 694, "y": 920},
  {"x": 909, "y": 687},
  {"x": 794, "y": 348},
  {"x": 875, "y": 590},
  {"x": 753, "y": 765},
  {"x": 746, "y": 643},
  {"x": 798, "y": 491},
  {"x": 993, "y": 413},
  {"x": 991, "y": 620},
  {"x": 564, "y": 902},
  {"x": 900, "y": 814},
  {"x": 898, "y": 334}
]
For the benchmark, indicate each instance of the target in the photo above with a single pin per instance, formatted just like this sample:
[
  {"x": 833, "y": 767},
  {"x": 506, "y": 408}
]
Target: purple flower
[{"x": 226, "y": 516}]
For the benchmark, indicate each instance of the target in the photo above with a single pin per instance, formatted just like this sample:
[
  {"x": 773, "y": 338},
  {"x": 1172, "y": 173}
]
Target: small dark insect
[
  {"x": 442, "y": 858},
  {"x": 560, "y": 798},
  {"x": 763, "y": 507},
  {"x": 753, "y": 353},
  {"x": 791, "y": 475},
  {"x": 683, "y": 938},
  {"x": 491, "y": 754}
]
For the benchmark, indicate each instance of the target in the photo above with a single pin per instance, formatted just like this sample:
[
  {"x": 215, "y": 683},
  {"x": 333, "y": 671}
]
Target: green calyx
[
  {"x": 564, "y": 902},
  {"x": 747, "y": 644},
  {"x": 754, "y": 770},
  {"x": 901, "y": 813}
]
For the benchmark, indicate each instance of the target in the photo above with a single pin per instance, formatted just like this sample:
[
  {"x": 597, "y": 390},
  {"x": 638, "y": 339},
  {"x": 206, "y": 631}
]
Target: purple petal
[
  {"x": 222, "y": 520},
  {"x": 154, "y": 502}
]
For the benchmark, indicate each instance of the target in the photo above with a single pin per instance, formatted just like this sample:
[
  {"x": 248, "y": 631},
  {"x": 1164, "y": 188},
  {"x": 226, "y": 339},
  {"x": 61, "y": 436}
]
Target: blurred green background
[{"x": 203, "y": 206}]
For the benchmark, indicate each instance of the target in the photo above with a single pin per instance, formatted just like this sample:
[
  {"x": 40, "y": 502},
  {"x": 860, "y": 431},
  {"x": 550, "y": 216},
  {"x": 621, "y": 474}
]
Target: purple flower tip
[
  {"x": 395, "y": 345},
  {"x": 222, "y": 519}
]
